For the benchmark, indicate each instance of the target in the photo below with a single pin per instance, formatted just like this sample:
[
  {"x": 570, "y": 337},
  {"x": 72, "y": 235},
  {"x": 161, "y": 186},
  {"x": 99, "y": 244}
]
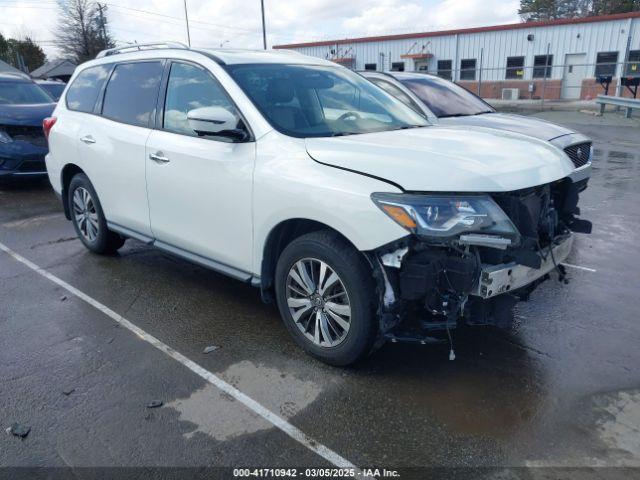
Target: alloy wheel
[
  {"x": 85, "y": 214},
  {"x": 318, "y": 302}
]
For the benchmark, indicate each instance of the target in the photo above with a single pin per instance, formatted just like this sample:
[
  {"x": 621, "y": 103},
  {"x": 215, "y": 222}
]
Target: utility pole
[
  {"x": 264, "y": 29},
  {"x": 186, "y": 17},
  {"x": 103, "y": 29}
]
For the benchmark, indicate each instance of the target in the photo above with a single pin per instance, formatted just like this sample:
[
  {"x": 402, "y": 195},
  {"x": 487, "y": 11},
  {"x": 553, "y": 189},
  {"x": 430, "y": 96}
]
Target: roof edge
[{"x": 492, "y": 28}]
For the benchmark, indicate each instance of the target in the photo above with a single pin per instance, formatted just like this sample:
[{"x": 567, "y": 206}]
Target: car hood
[
  {"x": 27, "y": 115},
  {"x": 531, "y": 126},
  {"x": 446, "y": 159}
]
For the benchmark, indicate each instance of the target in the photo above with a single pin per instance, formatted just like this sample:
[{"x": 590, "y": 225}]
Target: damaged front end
[{"x": 470, "y": 257}]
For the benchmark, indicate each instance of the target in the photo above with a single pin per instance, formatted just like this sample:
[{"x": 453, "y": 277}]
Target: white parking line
[
  {"x": 578, "y": 267},
  {"x": 294, "y": 432}
]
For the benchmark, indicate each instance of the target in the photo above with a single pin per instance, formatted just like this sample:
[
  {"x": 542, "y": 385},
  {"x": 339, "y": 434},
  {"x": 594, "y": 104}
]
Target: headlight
[
  {"x": 4, "y": 137},
  {"x": 442, "y": 216}
]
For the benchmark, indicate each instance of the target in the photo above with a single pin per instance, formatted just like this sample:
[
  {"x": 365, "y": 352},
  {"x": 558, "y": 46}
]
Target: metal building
[{"x": 568, "y": 58}]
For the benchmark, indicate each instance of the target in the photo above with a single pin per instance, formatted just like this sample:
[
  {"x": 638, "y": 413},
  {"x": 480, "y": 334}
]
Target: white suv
[{"x": 363, "y": 221}]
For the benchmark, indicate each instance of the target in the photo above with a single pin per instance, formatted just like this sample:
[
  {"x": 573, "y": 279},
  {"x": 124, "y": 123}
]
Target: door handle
[
  {"x": 158, "y": 157},
  {"x": 88, "y": 139}
]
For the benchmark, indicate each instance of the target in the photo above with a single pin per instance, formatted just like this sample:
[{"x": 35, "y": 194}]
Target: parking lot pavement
[{"x": 561, "y": 389}]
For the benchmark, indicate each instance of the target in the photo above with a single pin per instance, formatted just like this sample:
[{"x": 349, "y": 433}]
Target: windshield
[
  {"x": 317, "y": 101},
  {"x": 22, "y": 93},
  {"x": 445, "y": 98},
  {"x": 53, "y": 89}
]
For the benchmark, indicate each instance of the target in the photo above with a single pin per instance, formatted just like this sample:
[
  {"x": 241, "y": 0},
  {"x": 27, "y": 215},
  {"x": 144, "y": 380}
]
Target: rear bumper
[{"x": 497, "y": 279}]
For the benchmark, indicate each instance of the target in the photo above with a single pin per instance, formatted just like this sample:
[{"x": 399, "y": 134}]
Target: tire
[
  {"x": 331, "y": 343},
  {"x": 88, "y": 218}
]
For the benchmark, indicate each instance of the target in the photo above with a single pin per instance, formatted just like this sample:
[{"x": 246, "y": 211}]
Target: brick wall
[
  {"x": 493, "y": 89},
  {"x": 591, "y": 89}
]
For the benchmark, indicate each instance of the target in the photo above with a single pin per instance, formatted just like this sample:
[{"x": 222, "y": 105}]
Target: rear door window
[
  {"x": 86, "y": 87},
  {"x": 132, "y": 93}
]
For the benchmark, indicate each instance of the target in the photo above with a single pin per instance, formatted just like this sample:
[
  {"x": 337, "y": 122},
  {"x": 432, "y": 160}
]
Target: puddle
[
  {"x": 221, "y": 417},
  {"x": 616, "y": 169},
  {"x": 217, "y": 415},
  {"x": 619, "y": 421},
  {"x": 613, "y": 419}
]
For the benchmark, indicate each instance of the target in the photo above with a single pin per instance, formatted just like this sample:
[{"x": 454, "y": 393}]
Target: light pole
[
  {"x": 102, "y": 27},
  {"x": 186, "y": 17},
  {"x": 264, "y": 30}
]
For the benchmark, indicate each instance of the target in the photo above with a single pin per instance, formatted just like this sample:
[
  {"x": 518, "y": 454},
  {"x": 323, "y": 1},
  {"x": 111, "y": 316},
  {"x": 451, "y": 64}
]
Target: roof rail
[{"x": 140, "y": 46}]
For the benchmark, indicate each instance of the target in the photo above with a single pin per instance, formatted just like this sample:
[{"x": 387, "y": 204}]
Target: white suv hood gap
[{"x": 446, "y": 159}]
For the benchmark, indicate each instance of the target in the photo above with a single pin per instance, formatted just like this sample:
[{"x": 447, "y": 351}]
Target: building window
[
  {"x": 468, "y": 69},
  {"x": 633, "y": 65},
  {"x": 397, "y": 66},
  {"x": 371, "y": 66},
  {"x": 515, "y": 67},
  {"x": 542, "y": 66},
  {"x": 444, "y": 69},
  {"x": 606, "y": 63}
]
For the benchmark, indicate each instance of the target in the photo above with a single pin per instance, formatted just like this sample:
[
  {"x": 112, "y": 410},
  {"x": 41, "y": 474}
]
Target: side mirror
[{"x": 214, "y": 121}]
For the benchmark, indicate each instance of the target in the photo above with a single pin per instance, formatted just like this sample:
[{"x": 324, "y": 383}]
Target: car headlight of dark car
[{"x": 5, "y": 137}]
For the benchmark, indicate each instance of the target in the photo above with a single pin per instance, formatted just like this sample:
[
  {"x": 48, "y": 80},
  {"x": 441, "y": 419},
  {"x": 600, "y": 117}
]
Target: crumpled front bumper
[{"x": 498, "y": 279}]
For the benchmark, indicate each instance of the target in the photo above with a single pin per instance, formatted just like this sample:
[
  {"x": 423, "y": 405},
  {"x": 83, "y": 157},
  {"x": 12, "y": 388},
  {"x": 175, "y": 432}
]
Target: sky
[{"x": 237, "y": 23}]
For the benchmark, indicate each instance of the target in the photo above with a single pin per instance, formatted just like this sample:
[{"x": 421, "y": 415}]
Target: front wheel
[
  {"x": 325, "y": 295},
  {"x": 88, "y": 218}
]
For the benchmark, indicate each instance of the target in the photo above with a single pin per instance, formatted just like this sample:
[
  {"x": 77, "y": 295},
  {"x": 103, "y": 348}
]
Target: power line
[
  {"x": 179, "y": 19},
  {"x": 20, "y": 7},
  {"x": 166, "y": 18}
]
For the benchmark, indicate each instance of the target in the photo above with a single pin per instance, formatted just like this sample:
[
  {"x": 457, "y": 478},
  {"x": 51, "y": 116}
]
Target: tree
[
  {"x": 82, "y": 30},
  {"x": 536, "y": 10},
  {"x": 24, "y": 54},
  {"x": 606, "y": 7}
]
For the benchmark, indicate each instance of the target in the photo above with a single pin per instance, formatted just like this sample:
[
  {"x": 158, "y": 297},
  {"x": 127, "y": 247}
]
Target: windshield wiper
[
  {"x": 455, "y": 115},
  {"x": 406, "y": 127},
  {"x": 343, "y": 134}
]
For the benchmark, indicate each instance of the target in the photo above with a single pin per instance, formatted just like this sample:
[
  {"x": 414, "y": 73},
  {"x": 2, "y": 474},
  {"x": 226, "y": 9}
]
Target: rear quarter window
[
  {"x": 86, "y": 87},
  {"x": 132, "y": 92}
]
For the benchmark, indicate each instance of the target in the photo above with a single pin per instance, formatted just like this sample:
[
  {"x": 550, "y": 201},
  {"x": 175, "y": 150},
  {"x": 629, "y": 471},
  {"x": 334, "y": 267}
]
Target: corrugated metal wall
[{"x": 496, "y": 46}]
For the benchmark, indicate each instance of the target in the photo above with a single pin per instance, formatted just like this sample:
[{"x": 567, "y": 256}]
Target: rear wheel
[
  {"x": 88, "y": 218},
  {"x": 324, "y": 291}
]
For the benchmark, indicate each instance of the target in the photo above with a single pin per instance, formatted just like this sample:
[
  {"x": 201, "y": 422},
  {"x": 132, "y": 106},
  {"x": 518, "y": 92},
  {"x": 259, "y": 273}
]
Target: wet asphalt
[{"x": 562, "y": 388}]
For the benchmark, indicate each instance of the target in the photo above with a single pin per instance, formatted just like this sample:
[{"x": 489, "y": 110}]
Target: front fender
[{"x": 288, "y": 184}]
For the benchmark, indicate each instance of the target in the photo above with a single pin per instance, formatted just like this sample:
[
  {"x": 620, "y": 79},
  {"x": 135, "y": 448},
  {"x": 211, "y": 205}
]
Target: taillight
[{"x": 47, "y": 124}]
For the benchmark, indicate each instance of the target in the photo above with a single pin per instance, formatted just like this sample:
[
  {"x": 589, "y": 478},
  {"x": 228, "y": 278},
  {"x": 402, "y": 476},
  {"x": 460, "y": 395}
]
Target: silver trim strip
[
  {"x": 192, "y": 257},
  {"x": 129, "y": 233},
  {"x": 205, "y": 262}
]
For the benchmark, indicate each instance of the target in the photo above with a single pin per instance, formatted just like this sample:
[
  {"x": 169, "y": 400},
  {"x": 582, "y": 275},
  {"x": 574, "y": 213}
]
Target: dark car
[
  {"x": 446, "y": 103},
  {"x": 53, "y": 87},
  {"x": 23, "y": 107}
]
